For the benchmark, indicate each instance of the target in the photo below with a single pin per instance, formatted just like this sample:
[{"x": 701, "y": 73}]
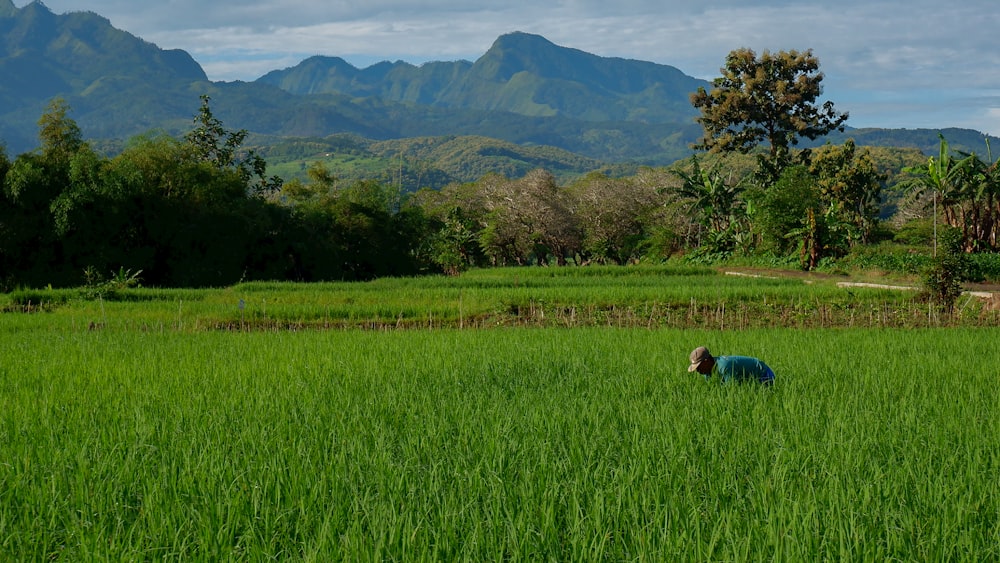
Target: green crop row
[
  {"x": 510, "y": 444},
  {"x": 633, "y": 296}
]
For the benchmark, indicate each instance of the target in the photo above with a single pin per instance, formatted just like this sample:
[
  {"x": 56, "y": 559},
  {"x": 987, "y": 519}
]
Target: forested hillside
[{"x": 524, "y": 90}]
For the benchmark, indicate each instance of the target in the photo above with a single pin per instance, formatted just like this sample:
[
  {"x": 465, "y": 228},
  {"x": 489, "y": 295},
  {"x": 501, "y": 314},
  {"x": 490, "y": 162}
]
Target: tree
[
  {"x": 544, "y": 205},
  {"x": 528, "y": 218},
  {"x": 711, "y": 194},
  {"x": 943, "y": 177},
  {"x": 714, "y": 200},
  {"x": 612, "y": 213},
  {"x": 772, "y": 98},
  {"x": 355, "y": 229},
  {"x": 980, "y": 210},
  {"x": 6, "y": 215},
  {"x": 214, "y": 144},
  {"x": 454, "y": 216},
  {"x": 59, "y": 134},
  {"x": 850, "y": 180},
  {"x": 972, "y": 203},
  {"x": 790, "y": 215},
  {"x": 453, "y": 244},
  {"x": 33, "y": 183},
  {"x": 942, "y": 280}
]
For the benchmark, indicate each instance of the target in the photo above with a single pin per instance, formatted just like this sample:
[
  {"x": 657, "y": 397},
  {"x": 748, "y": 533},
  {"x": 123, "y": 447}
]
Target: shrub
[
  {"x": 888, "y": 257},
  {"x": 985, "y": 266},
  {"x": 942, "y": 280}
]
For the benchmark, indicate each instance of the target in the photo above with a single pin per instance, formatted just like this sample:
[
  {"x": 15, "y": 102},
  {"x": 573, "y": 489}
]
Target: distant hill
[
  {"x": 524, "y": 91},
  {"x": 424, "y": 162}
]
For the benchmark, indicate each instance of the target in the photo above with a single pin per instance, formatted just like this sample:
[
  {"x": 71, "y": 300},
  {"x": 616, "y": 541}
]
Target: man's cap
[{"x": 698, "y": 355}]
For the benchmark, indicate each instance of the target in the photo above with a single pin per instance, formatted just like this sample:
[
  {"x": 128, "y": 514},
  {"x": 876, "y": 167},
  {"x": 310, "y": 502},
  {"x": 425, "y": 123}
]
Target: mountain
[
  {"x": 521, "y": 73},
  {"x": 119, "y": 86},
  {"x": 399, "y": 81},
  {"x": 524, "y": 90},
  {"x": 81, "y": 56}
]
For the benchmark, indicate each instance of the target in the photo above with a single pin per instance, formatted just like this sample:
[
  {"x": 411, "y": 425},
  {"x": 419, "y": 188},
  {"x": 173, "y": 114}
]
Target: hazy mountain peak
[
  {"x": 521, "y": 39},
  {"x": 36, "y": 7},
  {"x": 7, "y": 9},
  {"x": 518, "y": 52}
]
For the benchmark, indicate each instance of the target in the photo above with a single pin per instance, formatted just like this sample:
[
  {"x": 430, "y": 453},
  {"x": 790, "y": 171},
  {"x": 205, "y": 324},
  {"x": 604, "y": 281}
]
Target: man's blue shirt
[{"x": 742, "y": 368}]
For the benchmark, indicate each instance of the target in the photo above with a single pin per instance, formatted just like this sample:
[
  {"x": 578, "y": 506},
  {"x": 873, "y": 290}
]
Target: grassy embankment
[{"x": 644, "y": 296}]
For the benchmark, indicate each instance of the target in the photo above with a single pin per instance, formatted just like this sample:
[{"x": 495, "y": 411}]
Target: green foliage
[
  {"x": 427, "y": 162},
  {"x": 942, "y": 280},
  {"x": 356, "y": 229},
  {"x": 852, "y": 183},
  {"x": 96, "y": 286},
  {"x": 184, "y": 212},
  {"x": 963, "y": 191},
  {"x": 984, "y": 266},
  {"x": 59, "y": 135},
  {"x": 453, "y": 243},
  {"x": 786, "y": 208},
  {"x": 772, "y": 98},
  {"x": 916, "y": 232},
  {"x": 941, "y": 179},
  {"x": 212, "y": 143},
  {"x": 888, "y": 257},
  {"x": 714, "y": 197}
]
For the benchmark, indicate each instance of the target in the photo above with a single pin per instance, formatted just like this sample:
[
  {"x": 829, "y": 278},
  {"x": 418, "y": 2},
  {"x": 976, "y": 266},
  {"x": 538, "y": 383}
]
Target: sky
[{"x": 889, "y": 63}]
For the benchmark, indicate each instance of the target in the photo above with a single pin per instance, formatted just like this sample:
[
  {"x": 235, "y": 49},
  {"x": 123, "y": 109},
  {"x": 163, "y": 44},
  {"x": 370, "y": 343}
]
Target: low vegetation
[{"x": 633, "y": 296}]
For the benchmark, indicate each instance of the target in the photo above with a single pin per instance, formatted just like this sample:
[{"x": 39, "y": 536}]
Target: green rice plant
[
  {"x": 508, "y": 444},
  {"x": 642, "y": 296}
]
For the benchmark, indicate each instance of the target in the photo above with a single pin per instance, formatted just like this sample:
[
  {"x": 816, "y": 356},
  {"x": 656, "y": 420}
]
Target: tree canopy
[{"x": 771, "y": 98}]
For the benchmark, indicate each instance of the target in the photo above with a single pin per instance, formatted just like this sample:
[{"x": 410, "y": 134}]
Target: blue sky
[{"x": 890, "y": 63}]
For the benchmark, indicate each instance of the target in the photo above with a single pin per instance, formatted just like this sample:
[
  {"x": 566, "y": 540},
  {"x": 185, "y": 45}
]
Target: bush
[
  {"x": 888, "y": 257},
  {"x": 916, "y": 232},
  {"x": 942, "y": 281},
  {"x": 985, "y": 266}
]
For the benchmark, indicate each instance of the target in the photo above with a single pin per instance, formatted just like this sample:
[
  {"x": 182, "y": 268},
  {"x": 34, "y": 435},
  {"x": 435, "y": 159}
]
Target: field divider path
[
  {"x": 991, "y": 298},
  {"x": 780, "y": 275}
]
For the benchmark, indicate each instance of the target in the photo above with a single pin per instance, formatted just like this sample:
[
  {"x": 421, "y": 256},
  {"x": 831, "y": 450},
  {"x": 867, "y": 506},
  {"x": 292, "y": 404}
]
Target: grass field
[{"x": 513, "y": 443}]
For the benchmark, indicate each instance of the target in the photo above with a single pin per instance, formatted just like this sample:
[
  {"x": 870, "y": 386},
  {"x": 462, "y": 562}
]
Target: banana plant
[
  {"x": 711, "y": 195},
  {"x": 944, "y": 177},
  {"x": 981, "y": 202}
]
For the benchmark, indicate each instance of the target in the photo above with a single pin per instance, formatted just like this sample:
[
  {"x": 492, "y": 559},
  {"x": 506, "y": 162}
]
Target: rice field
[
  {"x": 640, "y": 296},
  {"x": 514, "y": 443}
]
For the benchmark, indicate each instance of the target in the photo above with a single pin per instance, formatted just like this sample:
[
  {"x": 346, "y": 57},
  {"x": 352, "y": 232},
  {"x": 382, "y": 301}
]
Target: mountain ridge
[
  {"x": 524, "y": 90},
  {"x": 520, "y": 73}
]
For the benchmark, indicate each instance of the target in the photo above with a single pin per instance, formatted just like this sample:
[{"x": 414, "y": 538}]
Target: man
[{"x": 730, "y": 368}]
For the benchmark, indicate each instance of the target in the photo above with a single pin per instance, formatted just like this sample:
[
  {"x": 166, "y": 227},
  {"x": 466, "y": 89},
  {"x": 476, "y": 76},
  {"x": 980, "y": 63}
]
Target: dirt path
[{"x": 989, "y": 292}]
